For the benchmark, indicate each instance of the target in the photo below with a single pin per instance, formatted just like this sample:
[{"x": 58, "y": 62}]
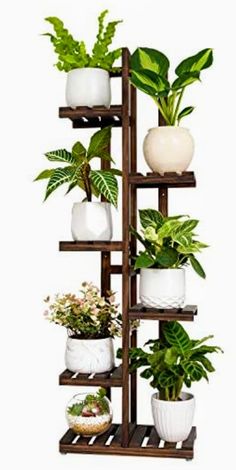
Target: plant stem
[
  {"x": 161, "y": 110},
  {"x": 85, "y": 170},
  {"x": 177, "y": 107}
]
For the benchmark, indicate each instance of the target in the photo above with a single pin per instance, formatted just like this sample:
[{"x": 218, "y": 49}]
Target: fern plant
[
  {"x": 73, "y": 54},
  {"x": 173, "y": 360},
  {"x": 78, "y": 171}
]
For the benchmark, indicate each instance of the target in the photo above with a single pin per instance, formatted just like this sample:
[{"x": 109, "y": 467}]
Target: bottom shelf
[{"x": 144, "y": 442}]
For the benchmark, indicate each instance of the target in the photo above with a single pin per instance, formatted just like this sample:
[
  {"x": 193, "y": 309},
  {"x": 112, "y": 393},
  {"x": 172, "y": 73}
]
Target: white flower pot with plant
[
  {"x": 170, "y": 245},
  {"x": 172, "y": 362},
  {"x": 91, "y": 221},
  {"x": 88, "y": 79},
  {"x": 168, "y": 149},
  {"x": 92, "y": 322}
]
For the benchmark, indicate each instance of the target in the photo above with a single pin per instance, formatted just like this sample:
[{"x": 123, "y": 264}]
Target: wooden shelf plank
[
  {"x": 182, "y": 314},
  {"x": 90, "y": 246},
  {"x": 170, "y": 180},
  {"x": 108, "y": 379},
  {"x": 99, "y": 116},
  {"x": 136, "y": 446}
]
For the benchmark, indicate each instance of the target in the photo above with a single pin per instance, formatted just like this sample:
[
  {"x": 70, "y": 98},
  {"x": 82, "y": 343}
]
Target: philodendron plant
[
  {"x": 149, "y": 73},
  {"x": 169, "y": 242},
  {"x": 78, "y": 172},
  {"x": 173, "y": 361},
  {"x": 73, "y": 54}
]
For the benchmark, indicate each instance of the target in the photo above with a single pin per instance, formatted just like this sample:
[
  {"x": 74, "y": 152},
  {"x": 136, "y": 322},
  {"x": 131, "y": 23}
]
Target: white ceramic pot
[
  {"x": 173, "y": 419},
  {"x": 88, "y": 87},
  {"x": 89, "y": 356},
  {"x": 162, "y": 288},
  {"x": 168, "y": 149},
  {"x": 91, "y": 221}
]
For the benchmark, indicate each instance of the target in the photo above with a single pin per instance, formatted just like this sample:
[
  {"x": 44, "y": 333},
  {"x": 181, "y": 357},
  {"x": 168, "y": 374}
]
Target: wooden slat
[
  {"x": 189, "y": 442},
  {"x": 90, "y": 246},
  {"x": 116, "y": 373},
  {"x": 84, "y": 111},
  {"x": 108, "y": 379},
  {"x": 185, "y": 314},
  {"x": 171, "y": 180},
  {"x": 68, "y": 437},
  {"x": 138, "y": 436},
  {"x": 154, "y": 439},
  {"x": 116, "y": 442},
  {"x": 101, "y": 440},
  {"x": 170, "y": 445}
]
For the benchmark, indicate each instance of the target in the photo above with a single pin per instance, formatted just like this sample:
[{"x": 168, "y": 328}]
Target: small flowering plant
[{"x": 88, "y": 316}]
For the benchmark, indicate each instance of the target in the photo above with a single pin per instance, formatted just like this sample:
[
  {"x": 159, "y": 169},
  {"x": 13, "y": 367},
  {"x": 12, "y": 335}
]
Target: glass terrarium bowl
[{"x": 89, "y": 414}]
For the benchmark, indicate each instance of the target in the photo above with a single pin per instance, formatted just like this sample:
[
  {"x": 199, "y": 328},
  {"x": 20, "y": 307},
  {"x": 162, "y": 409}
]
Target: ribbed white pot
[
  {"x": 168, "y": 149},
  {"x": 89, "y": 356},
  {"x": 173, "y": 419},
  {"x": 162, "y": 288},
  {"x": 88, "y": 87},
  {"x": 91, "y": 221}
]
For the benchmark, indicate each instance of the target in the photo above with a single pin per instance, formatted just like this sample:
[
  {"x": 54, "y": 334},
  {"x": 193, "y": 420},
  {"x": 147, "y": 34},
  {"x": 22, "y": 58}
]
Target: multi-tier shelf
[{"x": 127, "y": 438}]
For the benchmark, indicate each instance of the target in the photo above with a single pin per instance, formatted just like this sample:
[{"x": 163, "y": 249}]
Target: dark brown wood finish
[
  {"x": 125, "y": 255},
  {"x": 180, "y": 314},
  {"x": 133, "y": 242},
  {"x": 155, "y": 180},
  {"x": 90, "y": 246},
  {"x": 136, "y": 443},
  {"x": 111, "y": 379}
]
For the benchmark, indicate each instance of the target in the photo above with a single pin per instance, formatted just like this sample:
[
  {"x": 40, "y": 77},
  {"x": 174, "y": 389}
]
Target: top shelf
[
  {"x": 99, "y": 116},
  {"x": 171, "y": 180}
]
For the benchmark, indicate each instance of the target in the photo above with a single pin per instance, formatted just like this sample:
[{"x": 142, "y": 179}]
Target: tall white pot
[
  {"x": 88, "y": 87},
  {"x": 89, "y": 356},
  {"x": 91, "y": 221},
  {"x": 162, "y": 288},
  {"x": 168, "y": 149},
  {"x": 173, "y": 419}
]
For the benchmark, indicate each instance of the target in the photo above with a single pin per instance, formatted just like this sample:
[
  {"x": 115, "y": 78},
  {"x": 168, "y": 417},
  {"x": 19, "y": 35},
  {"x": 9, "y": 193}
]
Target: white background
[{"x": 32, "y": 405}]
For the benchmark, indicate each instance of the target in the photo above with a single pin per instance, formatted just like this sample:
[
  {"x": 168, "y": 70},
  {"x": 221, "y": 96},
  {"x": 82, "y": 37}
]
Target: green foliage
[
  {"x": 91, "y": 400},
  {"x": 149, "y": 70},
  {"x": 72, "y": 53},
  {"x": 169, "y": 242},
  {"x": 173, "y": 360},
  {"x": 78, "y": 172}
]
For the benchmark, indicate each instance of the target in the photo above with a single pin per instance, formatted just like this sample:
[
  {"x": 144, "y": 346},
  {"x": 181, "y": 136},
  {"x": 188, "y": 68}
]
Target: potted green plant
[
  {"x": 173, "y": 361},
  {"x": 89, "y": 414},
  {"x": 170, "y": 245},
  {"x": 168, "y": 148},
  {"x": 88, "y": 79},
  {"x": 91, "y": 322},
  {"x": 90, "y": 220}
]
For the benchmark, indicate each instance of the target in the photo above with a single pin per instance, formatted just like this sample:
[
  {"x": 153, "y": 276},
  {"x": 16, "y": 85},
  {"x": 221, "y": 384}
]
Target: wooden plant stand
[{"x": 127, "y": 438}]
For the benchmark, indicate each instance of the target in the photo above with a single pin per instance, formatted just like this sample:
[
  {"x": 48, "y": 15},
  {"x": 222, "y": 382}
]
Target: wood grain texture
[
  {"x": 90, "y": 246},
  {"x": 181, "y": 314},
  {"x": 155, "y": 180},
  {"x": 108, "y": 379}
]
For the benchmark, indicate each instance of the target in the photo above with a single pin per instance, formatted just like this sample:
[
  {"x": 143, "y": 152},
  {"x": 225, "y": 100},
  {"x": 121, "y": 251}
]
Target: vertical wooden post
[
  {"x": 133, "y": 243},
  {"x": 105, "y": 256},
  {"x": 125, "y": 254}
]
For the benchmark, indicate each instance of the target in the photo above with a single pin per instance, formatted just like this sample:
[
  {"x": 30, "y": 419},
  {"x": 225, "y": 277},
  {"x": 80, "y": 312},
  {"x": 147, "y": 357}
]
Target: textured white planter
[
  {"x": 162, "y": 288},
  {"x": 91, "y": 221},
  {"x": 173, "y": 419},
  {"x": 89, "y": 356},
  {"x": 88, "y": 87},
  {"x": 168, "y": 148}
]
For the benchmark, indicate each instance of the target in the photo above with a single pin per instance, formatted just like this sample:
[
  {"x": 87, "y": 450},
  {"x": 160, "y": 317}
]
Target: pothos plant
[
  {"x": 78, "y": 172},
  {"x": 149, "y": 72},
  {"x": 169, "y": 242},
  {"x": 73, "y": 54},
  {"x": 173, "y": 361}
]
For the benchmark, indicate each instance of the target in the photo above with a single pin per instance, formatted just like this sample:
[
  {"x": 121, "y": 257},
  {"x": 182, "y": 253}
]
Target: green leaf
[
  {"x": 206, "y": 363},
  {"x": 99, "y": 142},
  {"x": 186, "y": 227},
  {"x": 185, "y": 112},
  {"x": 60, "y": 156},
  {"x": 44, "y": 175},
  {"x": 171, "y": 356},
  {"x": 176, "y": 335},
  {"x": 115, "y": 171},
  {"x": 144, "y": 242},
  {"x": 151, "y": 83},
  {"x": 150, "y": 59},
  {"x": 151, "y": 217},
  {"x": 167, "y": 257},
  {"x": 146, "y": 374},
  {"x": 59, "y": 177},
  {"x": 197, "y": 266},
  {"x": 196, "y": 63},
  {"x": 144, "y": 260},
  {"x": 168, "y": 228},
  {"x": 106, "y": 184},
  {"x": 167, "y": 379},
  {"x": 185, "y": 80},
  {"x": 78, "y": 152},
  {"x": 194, "y": 370}
]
